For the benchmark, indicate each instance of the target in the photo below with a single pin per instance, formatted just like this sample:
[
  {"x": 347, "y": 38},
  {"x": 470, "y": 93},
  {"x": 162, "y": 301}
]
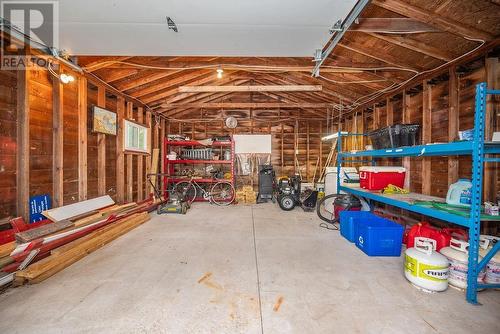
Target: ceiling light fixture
[
  {"x": 219, "y": 73},
  {"x": 66, "y": 78}
]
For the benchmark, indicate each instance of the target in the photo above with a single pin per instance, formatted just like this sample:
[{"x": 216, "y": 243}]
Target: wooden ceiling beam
[
  {"x": 417, "y": 46},
  {"x": 380, "y": 56},
  {"x": 246, "y": 105},
  {"x": 118, "y": 74},
  {"x": 104, "y": 63},
  {"x": 251, "y": 88},
  {"x": 170, "y": 83},
  {"x": 437, "y": 20},
  {"x": 391, "y": 24},
  {"x": 144, "y": 78}
]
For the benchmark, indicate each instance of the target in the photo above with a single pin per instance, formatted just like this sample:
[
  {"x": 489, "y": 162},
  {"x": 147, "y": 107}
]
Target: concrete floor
[{"x": 241, "y": 269}]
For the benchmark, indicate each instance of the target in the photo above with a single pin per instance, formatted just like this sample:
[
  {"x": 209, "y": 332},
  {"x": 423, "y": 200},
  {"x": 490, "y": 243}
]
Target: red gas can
[{"x": 442, "y": 236}]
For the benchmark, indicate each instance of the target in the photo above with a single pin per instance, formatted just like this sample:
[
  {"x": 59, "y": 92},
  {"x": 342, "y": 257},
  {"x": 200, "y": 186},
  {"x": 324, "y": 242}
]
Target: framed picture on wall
[
  {"x": 135, "y": 137},
  {"x": 103, "y": 121}
]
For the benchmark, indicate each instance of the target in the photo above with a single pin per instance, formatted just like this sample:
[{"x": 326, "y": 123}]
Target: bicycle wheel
[
  {"x": 187, "y": 189},
  {"x": 222, "y": 193}
]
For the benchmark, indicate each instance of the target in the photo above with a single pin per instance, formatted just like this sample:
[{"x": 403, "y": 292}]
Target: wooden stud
[
  {"x": 23, "y": 143},
  {"x": 120, "y": 157},
  {"x": 407, "y": 120},
  {"x": 320, "y": 166},
  {"x": 140, "y": 161},
  {"x": 453, "y": 122},
  {"x": 163, "y": 153},
  {"x": 149, "y": 190},
  {"x": 376, "y": 117},
  {"x": 389, "y": 112},
  {"x": 130, "y": 161},
  {"x": 82, "y": 138},
  {"x": 57, "y": 142},
  {"x": 282, "y": 150},
  {"x": 307, "y": 150},
  {"x": 426, "y": 137},
  {"x": 491, "y": 169},
  {"x": 101, "y": 147}
]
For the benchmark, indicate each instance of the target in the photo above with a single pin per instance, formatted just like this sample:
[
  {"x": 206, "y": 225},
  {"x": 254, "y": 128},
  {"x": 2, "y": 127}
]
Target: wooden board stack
[
  {"x": 41, "y": 252},
  {"x": 246, "y": 195}
]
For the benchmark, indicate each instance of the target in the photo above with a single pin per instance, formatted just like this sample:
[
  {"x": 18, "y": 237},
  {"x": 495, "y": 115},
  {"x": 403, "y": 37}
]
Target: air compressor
[{"x": 424, "y": 267}]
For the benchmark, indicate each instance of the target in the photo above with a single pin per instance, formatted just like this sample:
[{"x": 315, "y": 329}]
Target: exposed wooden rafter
[
  {"x": 251, "y": 88},
  {"x": 437, "y": 20}
]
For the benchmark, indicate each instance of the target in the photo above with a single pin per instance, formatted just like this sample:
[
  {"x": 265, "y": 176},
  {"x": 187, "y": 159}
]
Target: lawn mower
[
  {"x": 290, "y": 194},
  {"x": 176, "y": 202}
]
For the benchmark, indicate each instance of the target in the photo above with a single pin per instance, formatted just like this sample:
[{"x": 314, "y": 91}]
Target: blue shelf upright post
[
  {"x": 477, "y": 192},
  {"x": 339, "y": 159}
]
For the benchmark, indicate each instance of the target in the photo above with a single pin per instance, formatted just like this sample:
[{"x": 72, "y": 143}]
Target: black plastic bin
[{"x": 397, "y": 135}]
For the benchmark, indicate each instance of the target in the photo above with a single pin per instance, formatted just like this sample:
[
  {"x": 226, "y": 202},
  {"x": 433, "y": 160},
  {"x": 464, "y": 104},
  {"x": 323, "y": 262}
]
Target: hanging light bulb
[
  {"x": 66, "y": 78},
  {"x": 219, "y": 73}
]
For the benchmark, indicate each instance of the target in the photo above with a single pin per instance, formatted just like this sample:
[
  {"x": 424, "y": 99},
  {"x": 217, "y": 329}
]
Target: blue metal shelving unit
[{"x": 480, "y": 152}]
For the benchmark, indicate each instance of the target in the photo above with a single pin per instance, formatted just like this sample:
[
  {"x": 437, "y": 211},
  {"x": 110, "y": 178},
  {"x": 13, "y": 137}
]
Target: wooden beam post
[
  {"x": 426, "y": 137},
  {"x": 407, "y": 120},
  {"x": 23, "y": 143},
  {"x": 57, "y": 142},
  {"x": 82, "y": 138},
  {"x": 101, "y": 147},
  {"x": 120, "y": 157},
  {"x": 376, "y": 117},
  {"x": 149, "y": 190},
  {"x": 282, "y": 150},
  {"x": 491, "y": 169},
  {"x": 161, "y": 144},
  {"x": 307, "y": 150},
  {"x": 390, "y": 112},
  {"x": 453, "y": 122},
  {"x": 140, "y": 161},
  {"x": 130, "y": 161}
]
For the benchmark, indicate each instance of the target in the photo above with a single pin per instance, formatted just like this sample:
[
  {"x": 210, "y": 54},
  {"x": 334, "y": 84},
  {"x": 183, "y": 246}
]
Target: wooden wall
[{"x": 43, "y": 142}]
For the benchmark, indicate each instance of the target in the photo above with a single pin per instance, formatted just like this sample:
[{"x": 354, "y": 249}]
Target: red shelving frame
[{"x": 169, "y": 164}]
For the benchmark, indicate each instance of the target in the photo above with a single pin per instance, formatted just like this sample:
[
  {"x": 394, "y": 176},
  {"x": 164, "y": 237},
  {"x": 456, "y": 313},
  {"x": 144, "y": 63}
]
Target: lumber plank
[
  {"x": 49, "y": 266},
  {"x": 35, "y": 233},
  {"x": 7, "y": 248},
  {"x": 76, "y": 209}
]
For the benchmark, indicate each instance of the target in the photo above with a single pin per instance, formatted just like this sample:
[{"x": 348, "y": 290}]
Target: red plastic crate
[{"x": 379, "y": 177}]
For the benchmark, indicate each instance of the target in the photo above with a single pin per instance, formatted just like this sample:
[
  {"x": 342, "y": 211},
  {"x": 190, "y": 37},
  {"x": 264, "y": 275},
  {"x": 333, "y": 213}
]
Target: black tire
[
  {"x": 325, "y": 214},
  {"x": 286, "y": 202}
]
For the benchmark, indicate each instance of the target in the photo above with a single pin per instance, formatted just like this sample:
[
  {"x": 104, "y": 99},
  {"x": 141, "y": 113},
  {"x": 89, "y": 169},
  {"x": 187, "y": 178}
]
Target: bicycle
[{"x": 221, "y": 193}]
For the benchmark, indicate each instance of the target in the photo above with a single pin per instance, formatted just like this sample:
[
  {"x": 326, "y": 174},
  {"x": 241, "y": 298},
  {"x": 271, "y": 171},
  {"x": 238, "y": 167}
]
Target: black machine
[
  {"x": 267, "y": 182},
  {"x": 290, "y": 194}
]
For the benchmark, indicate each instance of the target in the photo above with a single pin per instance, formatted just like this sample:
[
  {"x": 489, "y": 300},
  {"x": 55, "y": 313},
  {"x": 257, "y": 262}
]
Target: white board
[
  {"x": 76, "y": 209},
  {"x": 252, "y": 144}
]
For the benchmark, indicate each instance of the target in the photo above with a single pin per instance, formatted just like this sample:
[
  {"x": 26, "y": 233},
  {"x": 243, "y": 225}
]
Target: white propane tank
[
  {"x": 493, "y": 267},
  {"x": 458, "y": 255},
  {"x": 424, "y": 267}
]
